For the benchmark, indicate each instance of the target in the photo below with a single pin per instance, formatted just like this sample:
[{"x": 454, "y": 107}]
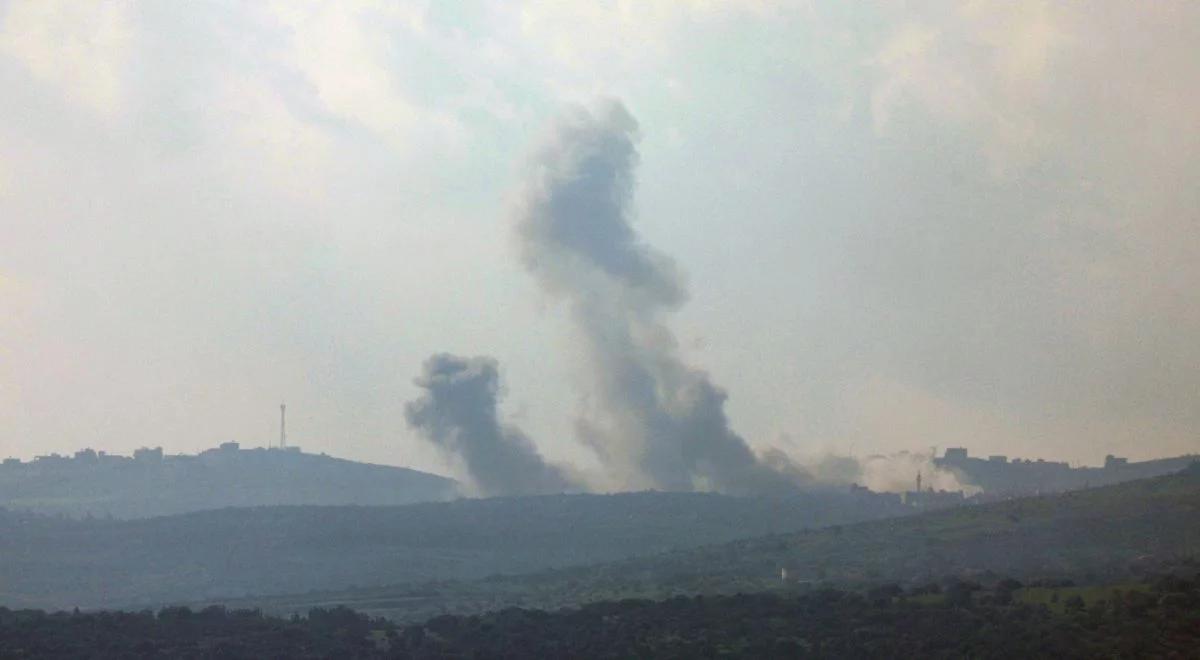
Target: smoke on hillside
[
  {"x": 891, "y": 473},
  {"x": 457, "y": 412},
  {"x": 654, "y": 421}
]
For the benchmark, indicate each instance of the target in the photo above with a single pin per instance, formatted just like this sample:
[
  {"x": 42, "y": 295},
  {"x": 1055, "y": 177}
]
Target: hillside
[
  {"x": 1111, "y": 532},
  {"x": 101, "y": 485},
  {"x": 269, "y": 550}
]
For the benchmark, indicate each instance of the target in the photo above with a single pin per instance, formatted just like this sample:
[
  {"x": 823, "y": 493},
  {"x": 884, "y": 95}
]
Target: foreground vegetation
[
  {"x": 952, "y": 620},
  {"x": 943, "y": 619},
  {"x": 183, "y": 633}
]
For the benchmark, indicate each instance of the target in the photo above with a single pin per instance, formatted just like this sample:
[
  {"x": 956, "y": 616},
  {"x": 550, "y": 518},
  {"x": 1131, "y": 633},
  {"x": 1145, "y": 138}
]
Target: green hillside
[
  {"x": 239, "y": 552},
  {"x": 1100, "y": 534}
]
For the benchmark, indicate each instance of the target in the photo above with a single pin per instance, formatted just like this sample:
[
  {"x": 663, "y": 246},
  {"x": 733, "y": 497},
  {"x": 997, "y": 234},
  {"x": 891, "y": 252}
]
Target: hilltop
[
  {"x": 95, "y": 484},
  {"x": 1112, "y": 532},
  {"x": 997, "y": 475}
]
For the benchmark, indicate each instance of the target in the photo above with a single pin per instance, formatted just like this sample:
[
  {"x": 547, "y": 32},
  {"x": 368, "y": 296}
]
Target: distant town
[
  {"x": 997, "y": 477},
  {"x": 85, "y": 457}
]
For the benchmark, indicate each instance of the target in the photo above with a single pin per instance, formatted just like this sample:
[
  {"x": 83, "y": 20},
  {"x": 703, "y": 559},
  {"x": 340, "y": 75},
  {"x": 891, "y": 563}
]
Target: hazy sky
[{"x": 902, "y": 225}]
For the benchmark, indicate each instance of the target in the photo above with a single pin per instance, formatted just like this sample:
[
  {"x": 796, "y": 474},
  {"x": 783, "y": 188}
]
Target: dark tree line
[
  {"x": 951, "y": 619},
  {"x": 179, "y": 632}
]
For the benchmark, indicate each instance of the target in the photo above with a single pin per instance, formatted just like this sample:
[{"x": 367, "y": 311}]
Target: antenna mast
[{"x": 282, "y": 426}]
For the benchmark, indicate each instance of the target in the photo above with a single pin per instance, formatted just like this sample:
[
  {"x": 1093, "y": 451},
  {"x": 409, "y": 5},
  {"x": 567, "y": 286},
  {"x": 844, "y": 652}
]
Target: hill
[
  {"x": 229, "y": 553},
  {"x": 150, "y": 484},
  {"x": 1112, "y": 532}
]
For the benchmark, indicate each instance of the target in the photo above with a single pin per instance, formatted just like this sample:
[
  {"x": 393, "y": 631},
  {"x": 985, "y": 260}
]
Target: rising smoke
[
  {"x": 458, "y": 413},
  {"x": 653, "y": 420}
]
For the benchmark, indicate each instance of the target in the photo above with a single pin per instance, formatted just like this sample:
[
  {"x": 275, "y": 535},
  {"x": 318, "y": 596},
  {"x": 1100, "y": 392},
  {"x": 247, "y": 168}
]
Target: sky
[{"x": 901, "y": 225}]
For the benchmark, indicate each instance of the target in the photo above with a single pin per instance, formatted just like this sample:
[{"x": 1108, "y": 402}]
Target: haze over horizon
[{"x": 948, "y": 224}]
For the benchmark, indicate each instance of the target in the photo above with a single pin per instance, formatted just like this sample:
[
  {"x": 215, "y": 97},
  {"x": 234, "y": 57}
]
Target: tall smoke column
[
  {"x": 654, "y": 421},
  {"x": 457, "y": 412}
]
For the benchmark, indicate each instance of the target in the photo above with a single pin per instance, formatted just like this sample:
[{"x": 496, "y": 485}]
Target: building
[
  {"x": 147, "y": 455},
  {"x": 997, "y": 475},
  {"x": 1113, "y": 462},
  {"x": 955, "y": 455}
]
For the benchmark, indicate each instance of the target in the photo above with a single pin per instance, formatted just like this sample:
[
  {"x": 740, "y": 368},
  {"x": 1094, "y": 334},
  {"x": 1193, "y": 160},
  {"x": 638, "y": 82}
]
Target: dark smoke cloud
[
  {"x": 458, "y": 413},
  {"x": 654, "y": 421}
]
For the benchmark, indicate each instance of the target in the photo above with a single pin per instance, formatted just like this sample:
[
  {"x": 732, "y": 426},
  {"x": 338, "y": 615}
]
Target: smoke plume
[
  {"x": 653, "y": 420},
  {"x": 897, "y": 472},
  {"x": 458, "y": 413}
]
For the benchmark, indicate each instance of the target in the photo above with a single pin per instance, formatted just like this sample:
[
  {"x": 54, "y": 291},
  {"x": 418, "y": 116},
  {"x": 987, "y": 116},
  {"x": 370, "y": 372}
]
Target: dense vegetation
[
  {"x": 1117, "y": 532},
  {"x": 947, "y": 619},
  {"x": 183, "y": 633},
  {"x": 217, "y": 555},
  {"x": 955, "y": 620}
]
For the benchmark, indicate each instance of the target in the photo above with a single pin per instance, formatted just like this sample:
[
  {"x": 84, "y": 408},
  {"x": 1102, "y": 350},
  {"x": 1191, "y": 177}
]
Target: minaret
[{"x": 283, "y": 426}]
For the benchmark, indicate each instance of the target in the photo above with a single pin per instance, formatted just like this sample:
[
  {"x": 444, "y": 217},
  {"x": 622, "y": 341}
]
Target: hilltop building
[
  {"x": 997, "y": 475},
  {"x": 147, "y": 455},
  {"x": 150, "y": 483}
]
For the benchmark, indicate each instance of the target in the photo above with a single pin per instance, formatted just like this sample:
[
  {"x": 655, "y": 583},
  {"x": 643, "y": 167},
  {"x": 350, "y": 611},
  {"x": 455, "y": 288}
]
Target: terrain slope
[
  {"x": 1109, "y": 533},
  {"x": 221, "y": 554}
]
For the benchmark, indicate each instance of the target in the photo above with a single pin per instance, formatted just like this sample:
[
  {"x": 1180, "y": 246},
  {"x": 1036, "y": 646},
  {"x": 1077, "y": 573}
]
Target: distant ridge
[{"x": 151, "y": 484}]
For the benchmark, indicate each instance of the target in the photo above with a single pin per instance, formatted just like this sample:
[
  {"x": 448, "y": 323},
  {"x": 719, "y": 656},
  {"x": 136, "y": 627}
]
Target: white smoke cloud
[{"x": 897, "y": 473}]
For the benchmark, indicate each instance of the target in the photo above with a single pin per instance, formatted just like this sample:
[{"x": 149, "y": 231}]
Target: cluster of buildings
[
  {"x": 144, "y": 456},
  {"x": 88, "y": 457},
  {"x": 997, "y": 475}
]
